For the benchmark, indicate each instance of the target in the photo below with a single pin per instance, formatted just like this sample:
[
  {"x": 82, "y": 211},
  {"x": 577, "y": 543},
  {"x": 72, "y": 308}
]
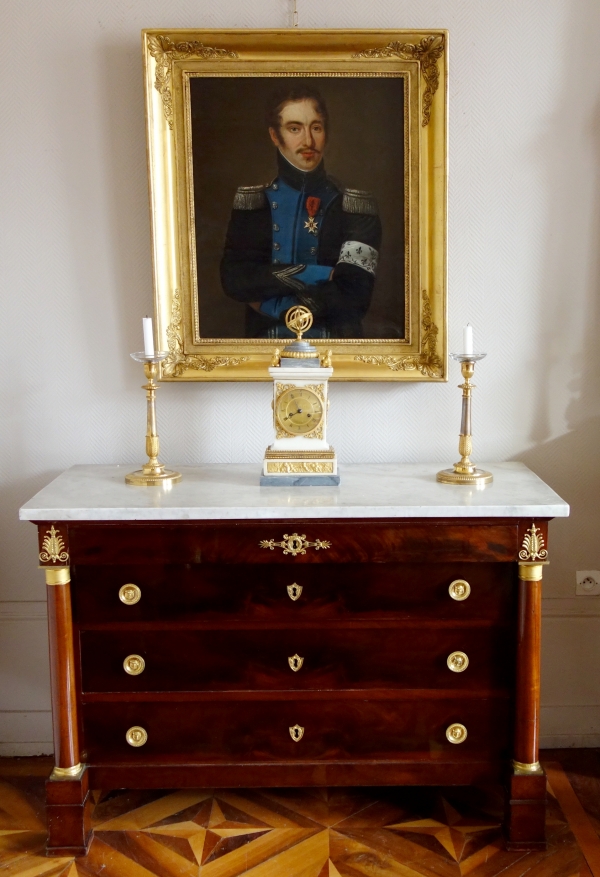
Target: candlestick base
[
  {"x": 156, "y": 475},
  {"x": 453, "y": 476}
]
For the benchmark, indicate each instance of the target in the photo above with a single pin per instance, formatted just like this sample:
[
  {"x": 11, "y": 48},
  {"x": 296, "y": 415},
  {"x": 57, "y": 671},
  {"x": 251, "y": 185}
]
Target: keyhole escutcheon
[
  {"x": 295, "y": 662},
  {"x": 294, "y": 591}
]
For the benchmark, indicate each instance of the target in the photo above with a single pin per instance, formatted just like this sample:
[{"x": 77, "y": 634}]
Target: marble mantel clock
[{"x": 300, "y": 454}]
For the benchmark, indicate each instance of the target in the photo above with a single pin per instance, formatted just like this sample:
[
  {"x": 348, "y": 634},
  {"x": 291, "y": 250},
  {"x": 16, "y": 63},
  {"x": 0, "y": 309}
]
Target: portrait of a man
[
  {"x": 299, "y": 197},
  {"x": 303, "y": 238}
]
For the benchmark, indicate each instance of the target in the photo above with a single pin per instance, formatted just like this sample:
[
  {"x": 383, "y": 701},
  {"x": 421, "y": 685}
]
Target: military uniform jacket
[{"x": 302, "y": 239}]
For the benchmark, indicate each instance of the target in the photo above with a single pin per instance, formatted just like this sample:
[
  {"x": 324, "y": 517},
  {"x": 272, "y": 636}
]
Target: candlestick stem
[
  {"x": 153, "y": 472},
  {"x": 464, "y": 472}
]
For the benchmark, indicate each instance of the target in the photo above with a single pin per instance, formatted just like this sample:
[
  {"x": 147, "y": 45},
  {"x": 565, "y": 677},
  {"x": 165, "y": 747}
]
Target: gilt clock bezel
[{"x": 314, "y": 426}]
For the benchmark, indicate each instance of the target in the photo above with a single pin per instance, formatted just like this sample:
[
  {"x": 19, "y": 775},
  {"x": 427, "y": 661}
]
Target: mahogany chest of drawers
[{"x": 299, "y": 648}]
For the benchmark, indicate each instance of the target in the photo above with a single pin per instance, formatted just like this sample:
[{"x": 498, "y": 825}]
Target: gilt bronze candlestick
[
  {"x": 153, "y": 472},
  {"x": 464, "y": 472}
]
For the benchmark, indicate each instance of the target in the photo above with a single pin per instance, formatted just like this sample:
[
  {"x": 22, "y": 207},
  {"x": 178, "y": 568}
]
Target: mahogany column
[
  {"x": 527, "y": 784},
  {"x": 62, "y": 672},
  {"x": 67, "y": 794}
]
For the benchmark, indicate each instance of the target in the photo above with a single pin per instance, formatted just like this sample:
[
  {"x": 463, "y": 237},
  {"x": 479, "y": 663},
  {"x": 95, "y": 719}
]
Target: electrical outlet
[{"x": 588, "y": 582}]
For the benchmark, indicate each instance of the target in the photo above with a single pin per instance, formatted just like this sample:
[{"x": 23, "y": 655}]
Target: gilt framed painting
[{"x": 298, "y": 167}]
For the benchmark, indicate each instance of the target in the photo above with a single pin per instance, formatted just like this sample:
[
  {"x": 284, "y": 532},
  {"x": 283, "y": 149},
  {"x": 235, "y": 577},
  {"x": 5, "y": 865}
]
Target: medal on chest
[{"x": 312, "y": 205}]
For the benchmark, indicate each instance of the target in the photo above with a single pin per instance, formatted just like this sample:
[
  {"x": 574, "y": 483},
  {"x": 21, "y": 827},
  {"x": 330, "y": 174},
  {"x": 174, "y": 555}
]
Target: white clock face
[{"x": 299, "y": 411}]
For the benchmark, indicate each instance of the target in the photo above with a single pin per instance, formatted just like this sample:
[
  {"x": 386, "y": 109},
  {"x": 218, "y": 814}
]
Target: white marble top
[{"x": 369, "y": 490}]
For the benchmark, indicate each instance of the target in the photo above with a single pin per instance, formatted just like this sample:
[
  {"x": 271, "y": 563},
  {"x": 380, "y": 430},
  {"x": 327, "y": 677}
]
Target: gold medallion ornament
[{"x": 300, "y": 454}]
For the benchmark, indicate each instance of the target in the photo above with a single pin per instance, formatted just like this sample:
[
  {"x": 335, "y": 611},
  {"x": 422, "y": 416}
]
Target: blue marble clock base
[{"x": 299, "y": 480}]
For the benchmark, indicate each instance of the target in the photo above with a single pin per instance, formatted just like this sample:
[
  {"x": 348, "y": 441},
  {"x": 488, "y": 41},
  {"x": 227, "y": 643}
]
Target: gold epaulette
[
  {"x": 249, "y": 198},
  {"x": 357, "y": 201}
]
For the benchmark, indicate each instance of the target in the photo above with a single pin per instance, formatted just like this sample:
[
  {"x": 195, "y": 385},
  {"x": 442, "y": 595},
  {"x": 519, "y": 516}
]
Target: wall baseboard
[
  {"x": 22, "y": 610},
  {"x": 571, "y": 607},
  {"x": 20, "y": 750},
  {"x": 570, "y": 741}
]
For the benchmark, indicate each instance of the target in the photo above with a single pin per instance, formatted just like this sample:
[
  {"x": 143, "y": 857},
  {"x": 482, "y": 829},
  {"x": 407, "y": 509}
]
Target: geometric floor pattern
[{"x": 383, "y": 832}]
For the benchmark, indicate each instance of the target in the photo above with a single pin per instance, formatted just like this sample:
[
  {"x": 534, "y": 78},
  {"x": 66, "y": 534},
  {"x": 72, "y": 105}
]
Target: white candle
[
  {"x": 148, "y": 336},
  {"x": 468, "y": 338}
]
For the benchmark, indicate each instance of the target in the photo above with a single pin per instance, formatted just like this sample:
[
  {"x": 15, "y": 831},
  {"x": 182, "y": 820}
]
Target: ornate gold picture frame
[{"x": 359, "y": 235}]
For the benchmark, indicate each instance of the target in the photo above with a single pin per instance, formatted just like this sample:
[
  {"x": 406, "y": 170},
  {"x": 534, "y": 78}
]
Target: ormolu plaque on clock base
[{"x": 300, "y": 455}]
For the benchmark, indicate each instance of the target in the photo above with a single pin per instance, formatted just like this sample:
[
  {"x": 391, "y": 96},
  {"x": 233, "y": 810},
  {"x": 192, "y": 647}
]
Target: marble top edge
[
  {"x": 368, "y": 490},
  {"x": 292, "y": 515}
]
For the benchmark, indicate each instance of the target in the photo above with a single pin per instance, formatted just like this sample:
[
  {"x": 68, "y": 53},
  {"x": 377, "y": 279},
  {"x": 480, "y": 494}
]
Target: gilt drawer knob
[
  {"x": 456, "y": 733},
  {"x": 296, "y": 733},
  {"x": 294, "y": 591},
  {"x": 134, "y": 665},
  {"x": 459, "y": 589},
  {"x": 457, "y": 662},
  {"x": 136, "y": 736},
  {"x": 295, "y": 662},
  {"x": 130, "y": 594}
]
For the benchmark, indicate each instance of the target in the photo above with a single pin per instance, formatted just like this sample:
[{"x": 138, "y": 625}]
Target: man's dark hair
[{"x": 289, "y": 93}]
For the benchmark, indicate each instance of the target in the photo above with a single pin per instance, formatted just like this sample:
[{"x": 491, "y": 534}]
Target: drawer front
[
  {"x": 296, "y": 659},
  {"x": 272, "y": 593},
  {"x": 295, "y": 544},
  {"x": 259, "y": 731}
]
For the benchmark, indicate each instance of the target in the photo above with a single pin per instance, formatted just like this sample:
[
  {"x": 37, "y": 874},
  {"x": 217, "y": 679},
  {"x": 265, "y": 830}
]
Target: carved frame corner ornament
[
  {"x": 428, "y": 52},
  {"x": 165, "y": 52},
  {"x": 53, "y": 548},
  {"x": 294, "y": 544},
  {"x": 429, "y": 363},
  {"x": 532, "y": 547},
  {"x": 177, "y": 361}
]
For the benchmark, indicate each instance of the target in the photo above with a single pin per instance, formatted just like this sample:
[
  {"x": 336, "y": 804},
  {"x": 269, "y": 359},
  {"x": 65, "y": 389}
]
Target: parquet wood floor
[{"x": 401, "y": 832}]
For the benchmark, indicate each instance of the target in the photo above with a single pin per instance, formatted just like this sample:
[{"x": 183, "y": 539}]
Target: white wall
[{"x": 523, "y": 268}]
